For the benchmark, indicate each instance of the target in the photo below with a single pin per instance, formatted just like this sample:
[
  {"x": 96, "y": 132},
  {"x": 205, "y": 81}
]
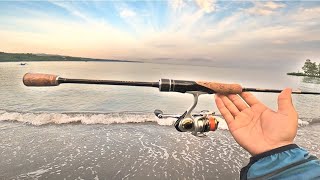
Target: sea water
[{"x": 86, "y": 131}]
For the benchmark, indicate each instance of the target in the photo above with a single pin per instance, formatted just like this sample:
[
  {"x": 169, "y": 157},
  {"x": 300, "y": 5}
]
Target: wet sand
[
  {"x": 118, "y": 151},
  {"x": 122, "y": 151}
]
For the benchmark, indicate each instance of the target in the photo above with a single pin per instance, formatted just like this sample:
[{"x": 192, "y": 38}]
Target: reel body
[{"x": 197, "y": 123}]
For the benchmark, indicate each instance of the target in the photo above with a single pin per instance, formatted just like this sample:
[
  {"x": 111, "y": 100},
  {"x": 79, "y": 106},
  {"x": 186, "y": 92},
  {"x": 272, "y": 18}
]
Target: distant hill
[{"x": 28, "y": 57}]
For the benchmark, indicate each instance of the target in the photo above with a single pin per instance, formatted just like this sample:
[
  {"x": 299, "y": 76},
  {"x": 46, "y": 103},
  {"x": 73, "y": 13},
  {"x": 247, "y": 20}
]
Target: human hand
[{"x": 256, "y": 127}]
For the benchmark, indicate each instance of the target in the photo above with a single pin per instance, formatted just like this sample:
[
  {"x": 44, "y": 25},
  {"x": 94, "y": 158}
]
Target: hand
[{"x": 256, "y": 127}]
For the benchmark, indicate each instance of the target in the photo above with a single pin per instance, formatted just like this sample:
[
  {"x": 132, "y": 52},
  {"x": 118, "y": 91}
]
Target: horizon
[{"x": 241, "y": 33}]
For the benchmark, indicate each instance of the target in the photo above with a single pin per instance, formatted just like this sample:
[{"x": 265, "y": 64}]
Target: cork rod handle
[
  {"x": 221, "y": 88},
  {"x": 36, "y": 79}
]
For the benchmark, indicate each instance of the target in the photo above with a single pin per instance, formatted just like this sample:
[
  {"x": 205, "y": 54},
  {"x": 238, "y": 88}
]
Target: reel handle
[{"x": 35, "y": 79}]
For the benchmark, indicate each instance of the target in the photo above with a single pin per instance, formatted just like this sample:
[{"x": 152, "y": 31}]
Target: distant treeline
[
  {"x": 27, "y": 57},
  {"x": 309, "y": 68}
]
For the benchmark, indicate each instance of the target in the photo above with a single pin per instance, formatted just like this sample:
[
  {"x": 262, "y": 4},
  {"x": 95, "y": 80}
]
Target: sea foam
[{"x": 41, "y": 118}]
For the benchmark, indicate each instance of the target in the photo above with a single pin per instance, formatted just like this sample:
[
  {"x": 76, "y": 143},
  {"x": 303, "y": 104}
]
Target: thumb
[{"x": 285, "y": 101}]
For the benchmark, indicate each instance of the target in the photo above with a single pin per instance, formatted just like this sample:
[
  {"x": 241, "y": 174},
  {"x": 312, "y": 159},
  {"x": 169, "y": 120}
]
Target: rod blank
[
  {"x": 277, "y": 91},
  {"x": 108, "y": 82}
]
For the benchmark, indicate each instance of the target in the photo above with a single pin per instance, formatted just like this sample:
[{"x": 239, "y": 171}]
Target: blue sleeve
[{"x": 287, "y": 162}]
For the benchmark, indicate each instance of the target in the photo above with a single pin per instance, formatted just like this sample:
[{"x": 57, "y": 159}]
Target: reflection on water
[{"x": 313, "y": 80}]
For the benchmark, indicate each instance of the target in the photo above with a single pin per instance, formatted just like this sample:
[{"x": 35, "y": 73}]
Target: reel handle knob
[{"x": 213, "y": 123}]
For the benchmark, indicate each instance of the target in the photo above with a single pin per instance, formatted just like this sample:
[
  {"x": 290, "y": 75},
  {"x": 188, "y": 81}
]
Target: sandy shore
[{"x": 119, "y": 151}]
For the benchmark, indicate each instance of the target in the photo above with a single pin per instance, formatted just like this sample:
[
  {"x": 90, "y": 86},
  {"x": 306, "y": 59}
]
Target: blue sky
[{"x": 173, "y": 31}]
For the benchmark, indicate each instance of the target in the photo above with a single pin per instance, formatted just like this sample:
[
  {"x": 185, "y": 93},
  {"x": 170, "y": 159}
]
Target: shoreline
[
  {"x": 18, "y": 61},
  {"x": 301, "y": 74},
  {"x": 30, "y": 57}
]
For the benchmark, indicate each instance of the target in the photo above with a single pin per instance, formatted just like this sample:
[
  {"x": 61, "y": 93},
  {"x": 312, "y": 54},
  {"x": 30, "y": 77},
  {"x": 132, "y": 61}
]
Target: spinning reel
[{"x": 196, "y": 123}]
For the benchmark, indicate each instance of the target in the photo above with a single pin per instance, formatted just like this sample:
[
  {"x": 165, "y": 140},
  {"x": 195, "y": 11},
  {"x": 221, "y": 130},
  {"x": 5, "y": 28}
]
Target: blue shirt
[{"x": 287, "y": 162}]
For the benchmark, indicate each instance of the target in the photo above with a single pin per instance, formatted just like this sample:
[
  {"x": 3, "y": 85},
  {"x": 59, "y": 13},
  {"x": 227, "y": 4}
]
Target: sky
[{"x": 200, "y": 32}]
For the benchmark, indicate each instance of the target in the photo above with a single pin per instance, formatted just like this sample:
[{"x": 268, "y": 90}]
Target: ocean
[{"x": 109, "y": 132}]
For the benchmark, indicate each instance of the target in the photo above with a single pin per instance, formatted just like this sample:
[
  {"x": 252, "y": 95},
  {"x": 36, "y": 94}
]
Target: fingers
[
  {"x": 249, "y": 98},
  {"x": 285, "y": 101},
  {"x": 238, "y": 102},
  {"x": 229, "y": 105},
  {"x": 233, "y": 103},
  {"x": 224, "y": 110}
]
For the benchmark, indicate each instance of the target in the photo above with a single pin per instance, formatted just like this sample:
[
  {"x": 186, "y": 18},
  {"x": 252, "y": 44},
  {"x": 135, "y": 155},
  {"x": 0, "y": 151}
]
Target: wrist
[
  {"x": 268, "y": 148},
  {"x": 270, "y": 152}
]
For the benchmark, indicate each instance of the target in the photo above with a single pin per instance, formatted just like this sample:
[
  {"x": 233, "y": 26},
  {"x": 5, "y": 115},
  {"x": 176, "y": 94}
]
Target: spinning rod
[
  {"x": 165, "y": 85},
  {"x": 197, "y": 123}
]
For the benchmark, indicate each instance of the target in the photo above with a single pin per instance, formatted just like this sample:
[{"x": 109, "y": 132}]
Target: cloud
[
  {"x": 177, "y": 5},
  {"x": 127, "y": 13},
  {"x": 68, "y": 6},
  {"x": 138, "y": 21},
  {"x": 273, "y": 5},
  {"x": 208, "y": 6},
  {"x": 186, "y": 15},
  {"x": 265, "y": 8},
  {"x": 59, "y": 36},
  {"x": 191, "y": 30},
  {"x": 306, "y": 15}
]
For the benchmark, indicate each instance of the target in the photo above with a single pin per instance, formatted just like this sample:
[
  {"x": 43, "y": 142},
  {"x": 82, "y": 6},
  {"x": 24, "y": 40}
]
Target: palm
[{"x": 256, "y": 127}]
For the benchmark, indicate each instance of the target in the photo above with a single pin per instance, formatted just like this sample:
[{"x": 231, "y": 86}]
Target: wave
[
  {"x": 42, "y": 118},
  {"x": 313, "y": 121}
]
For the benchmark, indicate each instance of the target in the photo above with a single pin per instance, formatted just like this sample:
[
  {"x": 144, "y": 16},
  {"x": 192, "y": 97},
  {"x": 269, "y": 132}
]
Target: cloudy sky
[{"x": 174, "y": 31}]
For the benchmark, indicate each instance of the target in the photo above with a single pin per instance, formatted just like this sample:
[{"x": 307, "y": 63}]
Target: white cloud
[
  {"x": 208, "y": 6},
  {"x": 177, "y": 5},
  {"x": 185, "y": 15},
  {"x": 265, "y": 8},
  {"x": 127, "y": 13},
  {"x": 273, "y": 5},
  {"x": 71, "y": 9},
  {"x": 307, "y": 14},
  {"x": 137, "y": 20}
]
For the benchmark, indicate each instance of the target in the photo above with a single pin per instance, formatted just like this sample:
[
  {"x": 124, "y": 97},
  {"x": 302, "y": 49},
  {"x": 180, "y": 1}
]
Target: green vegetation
[
  {"x": 310, "y": 69},
  {"x": 28, "y": 57}
]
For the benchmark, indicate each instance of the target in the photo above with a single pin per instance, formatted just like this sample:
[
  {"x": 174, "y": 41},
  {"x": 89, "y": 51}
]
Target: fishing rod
[{"x": 198, "y": 124}]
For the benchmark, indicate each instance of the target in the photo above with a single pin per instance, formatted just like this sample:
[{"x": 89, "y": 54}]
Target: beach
[
  {"x": 117, "y": 151},
  {"x": 123, "y": 151}
]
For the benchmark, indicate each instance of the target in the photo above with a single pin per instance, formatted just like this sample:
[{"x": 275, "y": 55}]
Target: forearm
[{"x": 287, "y": 162}]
